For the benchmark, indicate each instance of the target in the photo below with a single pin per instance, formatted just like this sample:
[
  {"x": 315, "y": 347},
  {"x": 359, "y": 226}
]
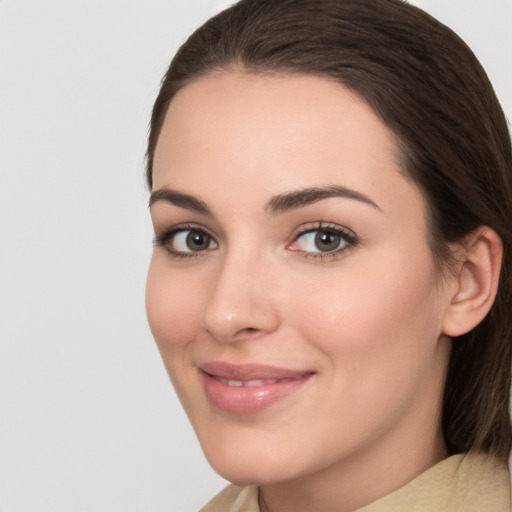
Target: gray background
[{"x": 88, "y": 420}]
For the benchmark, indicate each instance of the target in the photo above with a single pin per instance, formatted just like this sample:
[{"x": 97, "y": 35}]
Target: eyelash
[
  {"x": 344, "y": 233},
  {"x": 348, "y": 236},
  {"x": 167, "y": 236}
]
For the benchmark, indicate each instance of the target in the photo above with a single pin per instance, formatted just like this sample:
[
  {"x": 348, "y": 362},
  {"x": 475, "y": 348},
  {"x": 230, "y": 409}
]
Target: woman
[{"x": 330, "y": 286}]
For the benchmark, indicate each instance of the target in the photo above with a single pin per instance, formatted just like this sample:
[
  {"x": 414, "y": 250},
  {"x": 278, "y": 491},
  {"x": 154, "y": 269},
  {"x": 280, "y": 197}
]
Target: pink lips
[{"x": 249, "y": 388}]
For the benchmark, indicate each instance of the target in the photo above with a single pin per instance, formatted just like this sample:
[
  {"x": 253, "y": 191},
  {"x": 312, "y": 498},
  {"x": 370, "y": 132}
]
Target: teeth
[
  {"x": 250, "y": 383},
  {"x": 235, "y": 383},
  {"x": 253, "y": 383}
]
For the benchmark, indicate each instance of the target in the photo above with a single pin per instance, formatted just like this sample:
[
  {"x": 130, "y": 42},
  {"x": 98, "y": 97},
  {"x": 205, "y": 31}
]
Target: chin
[
  {"x": 251, "y": 473},
  {"x": 251, "y": 467}
]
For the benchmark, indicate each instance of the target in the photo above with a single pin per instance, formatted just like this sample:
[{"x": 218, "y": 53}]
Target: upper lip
[{"x": 251, "y": 371}]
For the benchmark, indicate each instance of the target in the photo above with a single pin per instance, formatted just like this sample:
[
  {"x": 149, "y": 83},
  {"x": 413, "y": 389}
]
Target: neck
[{"x": 355, "y": 482}]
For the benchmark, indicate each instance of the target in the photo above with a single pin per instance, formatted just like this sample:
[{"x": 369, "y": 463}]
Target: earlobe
[{"x": 477, "y": 278}]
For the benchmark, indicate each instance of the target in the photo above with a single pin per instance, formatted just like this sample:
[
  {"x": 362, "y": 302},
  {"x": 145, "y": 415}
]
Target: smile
[
  {"x": 253, "y": 383},
  {"x": 249, "y": 389}
]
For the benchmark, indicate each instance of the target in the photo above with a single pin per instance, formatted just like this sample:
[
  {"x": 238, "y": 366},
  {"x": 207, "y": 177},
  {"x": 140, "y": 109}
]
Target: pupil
[
  {"x": 197, "y": 241},
  {"x": 326, "y": 241}
]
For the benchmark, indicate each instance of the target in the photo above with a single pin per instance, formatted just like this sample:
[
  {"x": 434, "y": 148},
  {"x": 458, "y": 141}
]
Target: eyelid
[
  {"x": 168, "y": 233},
  {"x": 324, "y": 226},
  {"x": 163, "y": 239},
  {"x": 347, "y": 234}
]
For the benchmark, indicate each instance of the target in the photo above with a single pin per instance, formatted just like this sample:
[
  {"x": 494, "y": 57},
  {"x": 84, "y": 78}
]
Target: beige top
[{"x": 470, "y": 483}]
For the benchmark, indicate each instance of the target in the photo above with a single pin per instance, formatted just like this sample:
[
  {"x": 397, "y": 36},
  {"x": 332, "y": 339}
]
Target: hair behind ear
[{"x": 482, "y": 349}]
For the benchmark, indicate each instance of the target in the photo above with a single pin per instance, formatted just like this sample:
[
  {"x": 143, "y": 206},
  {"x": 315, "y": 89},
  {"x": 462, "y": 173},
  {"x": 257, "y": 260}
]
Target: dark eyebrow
[
  {"x": 307, "y": 196},
  {"x": 179, "y": 199}
]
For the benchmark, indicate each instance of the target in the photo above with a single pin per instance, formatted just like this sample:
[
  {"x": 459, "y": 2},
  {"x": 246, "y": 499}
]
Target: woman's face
[{"x": 292, "y": 292}]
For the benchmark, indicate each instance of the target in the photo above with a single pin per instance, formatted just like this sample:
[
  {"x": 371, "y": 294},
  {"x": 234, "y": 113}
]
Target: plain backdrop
[{"x": 88, "y": 419}]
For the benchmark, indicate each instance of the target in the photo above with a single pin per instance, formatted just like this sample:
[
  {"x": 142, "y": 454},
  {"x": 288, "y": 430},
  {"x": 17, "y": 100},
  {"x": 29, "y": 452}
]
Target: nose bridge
[{"x": 239, "y": 303}]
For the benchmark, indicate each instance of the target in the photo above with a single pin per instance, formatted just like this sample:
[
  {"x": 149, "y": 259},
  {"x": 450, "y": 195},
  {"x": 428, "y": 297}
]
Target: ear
[{"x": 476, "y": 281}]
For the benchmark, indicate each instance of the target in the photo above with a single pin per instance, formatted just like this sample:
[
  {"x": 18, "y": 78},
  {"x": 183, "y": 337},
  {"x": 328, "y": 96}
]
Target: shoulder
[
  {"x": 461, "y": 483},
  {"x": 234, "y": 499}
]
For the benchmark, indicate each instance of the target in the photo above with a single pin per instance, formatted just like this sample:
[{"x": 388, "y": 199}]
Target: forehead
[
  {"x": 289, "y": 131},
  {"x": 292, "y": 105}
]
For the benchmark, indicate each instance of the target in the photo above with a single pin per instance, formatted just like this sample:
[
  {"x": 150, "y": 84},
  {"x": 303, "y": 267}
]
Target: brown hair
[{"x": 431, "y": 91}]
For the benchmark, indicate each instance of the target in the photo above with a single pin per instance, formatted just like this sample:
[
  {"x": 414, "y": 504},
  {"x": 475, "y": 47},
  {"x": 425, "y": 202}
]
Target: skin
[{"x": 369, "y": 320}]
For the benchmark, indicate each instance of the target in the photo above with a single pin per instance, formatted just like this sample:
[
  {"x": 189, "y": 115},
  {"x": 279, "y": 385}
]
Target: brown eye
[
  {"x": 198, "y": 241},
  {"x": 321, "y": 241},
  {"x": 326, "y": 241},
  {"x": 191, "y": 240}
]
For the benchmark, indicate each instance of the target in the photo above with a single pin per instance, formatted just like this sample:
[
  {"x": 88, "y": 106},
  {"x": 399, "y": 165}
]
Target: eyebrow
[
  {"x": 304, "y": 197},
  {"x": 181, "y": 200},
  {"x": 278, "y": 204}
]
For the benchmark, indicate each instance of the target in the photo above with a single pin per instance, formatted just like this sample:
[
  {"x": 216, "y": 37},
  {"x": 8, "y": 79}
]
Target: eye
[
  {"x": 182, "y": 241},
  {"x": 192, "y": 240},
  {"x": 320, "y": 241},
  {"x": 323, "y": 240}
]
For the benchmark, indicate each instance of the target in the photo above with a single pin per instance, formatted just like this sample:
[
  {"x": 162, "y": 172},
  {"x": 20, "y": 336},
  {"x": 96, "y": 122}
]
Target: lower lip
[{"x": 249, "y": 400}]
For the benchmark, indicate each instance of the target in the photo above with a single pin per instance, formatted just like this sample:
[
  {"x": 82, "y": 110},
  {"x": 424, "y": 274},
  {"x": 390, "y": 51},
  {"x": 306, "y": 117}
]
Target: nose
[{"x": 240, "y": 305}]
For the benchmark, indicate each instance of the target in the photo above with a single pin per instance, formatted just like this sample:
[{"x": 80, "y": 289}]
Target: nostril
[{"x": 247, "y": 331}]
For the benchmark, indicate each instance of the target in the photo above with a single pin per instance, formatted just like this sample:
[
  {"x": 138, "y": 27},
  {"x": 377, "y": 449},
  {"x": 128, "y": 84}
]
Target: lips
[
  {"x": 250, "y": 388},
  {"x": 251, "y": 383}
]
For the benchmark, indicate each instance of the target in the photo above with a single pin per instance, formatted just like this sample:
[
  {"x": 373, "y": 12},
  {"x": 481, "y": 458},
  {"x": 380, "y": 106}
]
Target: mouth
[
  {"x": 248, "y": 389},
  {"x": 253, "y": 383}
]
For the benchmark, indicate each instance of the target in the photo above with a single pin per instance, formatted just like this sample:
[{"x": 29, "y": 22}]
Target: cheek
[
  {"x": 172, "y": 305},
  {"x": 371, "y": 321},
  {"x": 377, "y": 334}
]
